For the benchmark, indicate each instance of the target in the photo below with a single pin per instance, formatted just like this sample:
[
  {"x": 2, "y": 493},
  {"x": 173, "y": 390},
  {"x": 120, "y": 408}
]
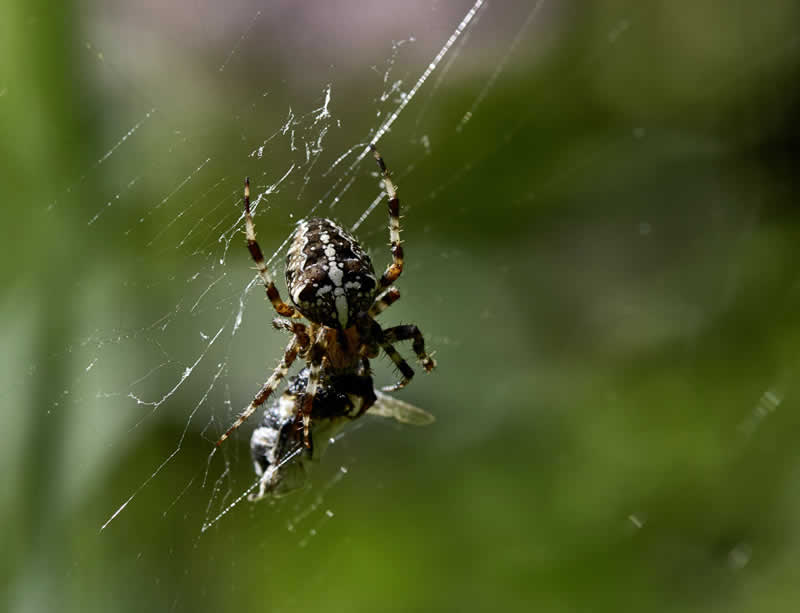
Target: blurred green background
[{"x": 601, "y": 229}]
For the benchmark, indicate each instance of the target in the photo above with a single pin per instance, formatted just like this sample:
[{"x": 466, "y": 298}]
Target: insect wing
[{"x": 405, "y": 413}]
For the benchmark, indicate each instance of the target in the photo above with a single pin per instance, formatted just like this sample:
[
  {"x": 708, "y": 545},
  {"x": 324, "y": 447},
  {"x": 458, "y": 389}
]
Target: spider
[{"x": 333, "y": 285}]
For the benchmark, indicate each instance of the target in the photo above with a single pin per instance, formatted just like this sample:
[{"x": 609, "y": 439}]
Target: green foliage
[{"x": 604, "y": 258}]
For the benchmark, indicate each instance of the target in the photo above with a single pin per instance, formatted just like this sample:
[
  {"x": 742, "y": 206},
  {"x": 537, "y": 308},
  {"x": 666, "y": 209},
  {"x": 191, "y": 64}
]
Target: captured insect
[
  {"x": 333, "y": 285},
  {"x": 278, "y": 455}
]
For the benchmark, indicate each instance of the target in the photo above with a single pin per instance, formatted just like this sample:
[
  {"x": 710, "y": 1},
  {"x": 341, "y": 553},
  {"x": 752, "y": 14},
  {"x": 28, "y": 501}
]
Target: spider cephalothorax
[{"x": 333, "y": 285}]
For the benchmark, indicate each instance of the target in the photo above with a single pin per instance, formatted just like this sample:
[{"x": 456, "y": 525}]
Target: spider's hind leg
[{"x": 279, "y": 373}]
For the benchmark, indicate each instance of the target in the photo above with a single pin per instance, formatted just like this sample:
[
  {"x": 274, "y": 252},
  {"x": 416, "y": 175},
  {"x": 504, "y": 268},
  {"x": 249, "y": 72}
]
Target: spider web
[
  {"x": 202, "y": 335},
  {"x": 157, "y": 380},
  {"x": 201, "y": 217}
]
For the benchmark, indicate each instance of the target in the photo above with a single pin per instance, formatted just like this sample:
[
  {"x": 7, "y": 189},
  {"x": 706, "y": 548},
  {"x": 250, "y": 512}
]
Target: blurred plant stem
[{"x": 42, "y": 105}]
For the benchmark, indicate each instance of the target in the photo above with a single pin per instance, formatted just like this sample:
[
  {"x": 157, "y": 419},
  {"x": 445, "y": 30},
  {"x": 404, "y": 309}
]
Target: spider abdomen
[{"x": 329, "y": 276}]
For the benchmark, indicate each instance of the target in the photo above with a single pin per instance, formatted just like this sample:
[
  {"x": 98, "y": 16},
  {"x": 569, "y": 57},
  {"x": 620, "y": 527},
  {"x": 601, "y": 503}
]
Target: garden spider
[{"x": 332, "y": 284}]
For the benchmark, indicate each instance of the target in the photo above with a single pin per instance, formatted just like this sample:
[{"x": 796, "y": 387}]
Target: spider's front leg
[
  {"x": 374, "y": 339},
  {"x": 401, "y": 365},
  {"x": 279, "y": 373},
  {"x": 315, "y": 355},
  {"x": 411, "y": 332}
]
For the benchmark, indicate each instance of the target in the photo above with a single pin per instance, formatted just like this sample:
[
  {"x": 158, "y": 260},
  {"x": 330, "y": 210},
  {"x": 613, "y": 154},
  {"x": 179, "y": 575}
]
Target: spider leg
[
  {"x": 316, "y": 354},
  {"x": 258, "y": 257},
  {"x": 279, "y": 323},
  {"x": 384, "y": 301},
  {"x": 394, "y": 269},
  {"x": 411, "y": 332},
  {"x": 279, "y": 373},
  {"x": 401, "y": 364},
  {"x": 293, "y": 327}
]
